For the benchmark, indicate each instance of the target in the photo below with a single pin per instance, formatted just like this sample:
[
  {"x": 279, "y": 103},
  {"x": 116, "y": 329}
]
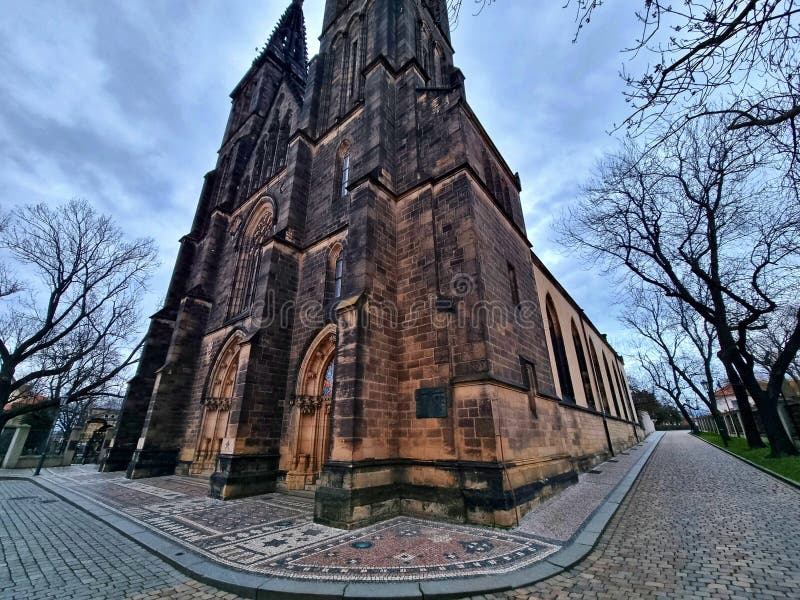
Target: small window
[
  {"x": 353, "y": 69},
  {"x": 337, "y": 276},
  {"x": 531, "y": 382},
  {"x": 512, "y": 282},
  {"x": 345, "y": 173}
]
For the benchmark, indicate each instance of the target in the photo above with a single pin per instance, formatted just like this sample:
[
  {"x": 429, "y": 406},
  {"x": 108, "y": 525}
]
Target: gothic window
[
  {"x": 353, "y": 71},
  {"x": 625, "y": 393},
  {"x": 327, "y": 90},
  {"x": 258, "y": 166},
  {"x": 532, "y": 383},
  {"x": 621, "y": 393},
  {"x": 327, "y": 382},
  {"x": 441, "y": 68},
  {"x": 271, "y": 147},
  {"x": 337, "y": 277},
  {"x": 559, "y": 352},
  {"x": 244, "y": 189},
  {"x": 487, "y": 171},
  {"x": 283, "y": 141},
  {"x": 335, "y": 272},
  {"x": 600, "y": 384},
  {"x": 611, "y": 386},
  {"x": 249, "y": 262},
  {"x": 587, "y": 382},
  {"x": 512, "y": 282},
  {"x": 223, "y": 177},
  {"x": 344, "y": 169},
  {"x": 506, "y": 200}
]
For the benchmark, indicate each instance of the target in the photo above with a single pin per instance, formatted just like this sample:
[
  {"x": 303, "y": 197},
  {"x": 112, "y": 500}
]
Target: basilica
[{"x": 356, "y": 312}]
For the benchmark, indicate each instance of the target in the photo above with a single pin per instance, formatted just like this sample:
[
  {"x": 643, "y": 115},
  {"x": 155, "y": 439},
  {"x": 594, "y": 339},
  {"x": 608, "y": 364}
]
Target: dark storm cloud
[{"x": 124, "y": 103}]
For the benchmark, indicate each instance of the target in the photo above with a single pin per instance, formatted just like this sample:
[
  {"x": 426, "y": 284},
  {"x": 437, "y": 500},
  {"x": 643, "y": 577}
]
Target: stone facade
[{"x": 356, "y": 309}]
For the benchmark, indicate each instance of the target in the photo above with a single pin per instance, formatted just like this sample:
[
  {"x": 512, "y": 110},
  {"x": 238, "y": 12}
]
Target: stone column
[
  {"x": 72, "y": 446},
  {"x": 15, "y": 448}
]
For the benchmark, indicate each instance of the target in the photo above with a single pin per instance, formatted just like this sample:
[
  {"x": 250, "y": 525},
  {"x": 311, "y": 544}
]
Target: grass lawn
[{"x": 788, "y": 466}]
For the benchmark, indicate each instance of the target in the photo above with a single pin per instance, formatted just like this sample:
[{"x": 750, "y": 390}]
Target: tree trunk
[
  {"x": 779, "y": 441},
  {"x": 745, "y": 412},
  {"x": 723, "y": 429},
  {"x": 685, "y": 413},
  {"x": 5, "y": 389}
]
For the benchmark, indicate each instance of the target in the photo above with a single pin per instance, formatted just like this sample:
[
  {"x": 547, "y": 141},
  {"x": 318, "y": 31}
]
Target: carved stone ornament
[
  {"x": 236, "y": 225},
  {"x": 263, "y": 229},
  {"x": 216, "y": 403},
  {"x": 306, "y": 404}
]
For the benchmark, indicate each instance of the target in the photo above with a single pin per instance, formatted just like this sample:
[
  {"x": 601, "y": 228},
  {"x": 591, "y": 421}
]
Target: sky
[{"x": 124, "y": 103}]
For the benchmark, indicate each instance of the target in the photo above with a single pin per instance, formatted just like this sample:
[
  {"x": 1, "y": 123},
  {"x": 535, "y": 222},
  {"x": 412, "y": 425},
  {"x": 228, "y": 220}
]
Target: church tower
[{"x": 354, "y": 310}]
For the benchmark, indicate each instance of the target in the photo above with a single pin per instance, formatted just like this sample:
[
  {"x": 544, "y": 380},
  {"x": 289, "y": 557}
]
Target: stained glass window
[{"x": 327, "y": 384}]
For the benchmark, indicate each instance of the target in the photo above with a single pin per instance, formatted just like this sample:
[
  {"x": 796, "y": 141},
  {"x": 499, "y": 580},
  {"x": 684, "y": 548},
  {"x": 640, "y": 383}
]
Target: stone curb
[
  {"x": 251, "y": 585},
  {"x": 778, "y": 476}
]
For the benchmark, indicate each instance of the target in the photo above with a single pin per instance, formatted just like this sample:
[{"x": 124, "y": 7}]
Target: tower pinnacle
[{"x": 288, "y": 40}]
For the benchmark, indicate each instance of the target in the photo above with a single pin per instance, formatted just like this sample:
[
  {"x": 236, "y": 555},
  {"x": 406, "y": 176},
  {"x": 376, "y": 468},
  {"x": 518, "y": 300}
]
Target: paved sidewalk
[
  {"x": 698, "y": 524},
  {"x": 268, "y": 544},
  {"x": 49, "y": 549}
]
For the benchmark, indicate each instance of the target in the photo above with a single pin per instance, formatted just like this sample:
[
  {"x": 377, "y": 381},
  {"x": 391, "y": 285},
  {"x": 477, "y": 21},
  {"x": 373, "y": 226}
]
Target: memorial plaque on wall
[{"x": 431, "y": 403}]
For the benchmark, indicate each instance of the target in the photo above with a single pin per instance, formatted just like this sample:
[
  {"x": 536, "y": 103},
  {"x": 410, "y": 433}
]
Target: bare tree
[
  {"x": 72, "y": 332},
  {"x": 735, "y": 58},
  {"x": 664, "y": 378},
  {"x": 704, "y": 219},
  {"x": 454, "y": 8},
  {"x": 8, "y": 283},
  {"x": 773, "y": 337},
  {"x": 69, "y": 417},
  {"x": 701, "y": 336},
  {"x": 672, "y": 360}
]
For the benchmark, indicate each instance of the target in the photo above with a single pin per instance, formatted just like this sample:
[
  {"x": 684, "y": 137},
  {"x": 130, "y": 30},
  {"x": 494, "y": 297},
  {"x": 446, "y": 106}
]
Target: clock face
[{"x": 327, "y": 384}]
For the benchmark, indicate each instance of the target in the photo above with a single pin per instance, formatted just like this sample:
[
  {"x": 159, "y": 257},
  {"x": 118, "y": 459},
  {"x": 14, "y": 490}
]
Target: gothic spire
[{"x": 288, "y": 40}]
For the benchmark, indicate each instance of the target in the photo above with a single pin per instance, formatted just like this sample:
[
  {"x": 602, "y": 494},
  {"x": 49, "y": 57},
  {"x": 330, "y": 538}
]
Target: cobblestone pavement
[
  {"x": 275, "y": 534},
  {"x": 53, "y": 550},
  {"x": 697, "y": 524}
]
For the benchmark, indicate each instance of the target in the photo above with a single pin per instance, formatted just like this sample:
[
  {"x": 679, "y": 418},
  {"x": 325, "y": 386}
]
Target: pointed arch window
[
  {"x": 344, "y": 169},
  {"x": 335, "y": 272},
  {"x": 249, "y": 262},
  {"x": 587, "y": 382},
  {"x": 223, "y": 180},
  {"x": 626, "y": 395},
  {"x": 621, "y": 393},
  {"x": 531, "y": 382},
  {"x": 327, "y": 381},
  {"x": 512, "y": 282},
  {"x": 600, "y": 383},
  {"x": 337, "y": 276},
  {"x": 283, "y": 142},
  {"x": 270, "y": 149},
  {"x": 611, "y": 386},
  {"x": 559, "y": 352},
  {"x": 353, "y": 70}
]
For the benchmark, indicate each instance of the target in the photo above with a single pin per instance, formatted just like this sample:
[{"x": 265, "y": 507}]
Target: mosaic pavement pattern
[{"x": 275, "y": 534}]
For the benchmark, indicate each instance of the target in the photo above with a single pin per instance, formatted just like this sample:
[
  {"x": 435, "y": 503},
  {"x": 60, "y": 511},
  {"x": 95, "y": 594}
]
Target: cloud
[{"x": 124, "y": 104}]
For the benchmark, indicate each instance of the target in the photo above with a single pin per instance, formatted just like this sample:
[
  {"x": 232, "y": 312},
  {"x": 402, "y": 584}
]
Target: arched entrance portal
[
  {"x": 217, "y": 402},
  {"x": 311, "y": 409}
]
